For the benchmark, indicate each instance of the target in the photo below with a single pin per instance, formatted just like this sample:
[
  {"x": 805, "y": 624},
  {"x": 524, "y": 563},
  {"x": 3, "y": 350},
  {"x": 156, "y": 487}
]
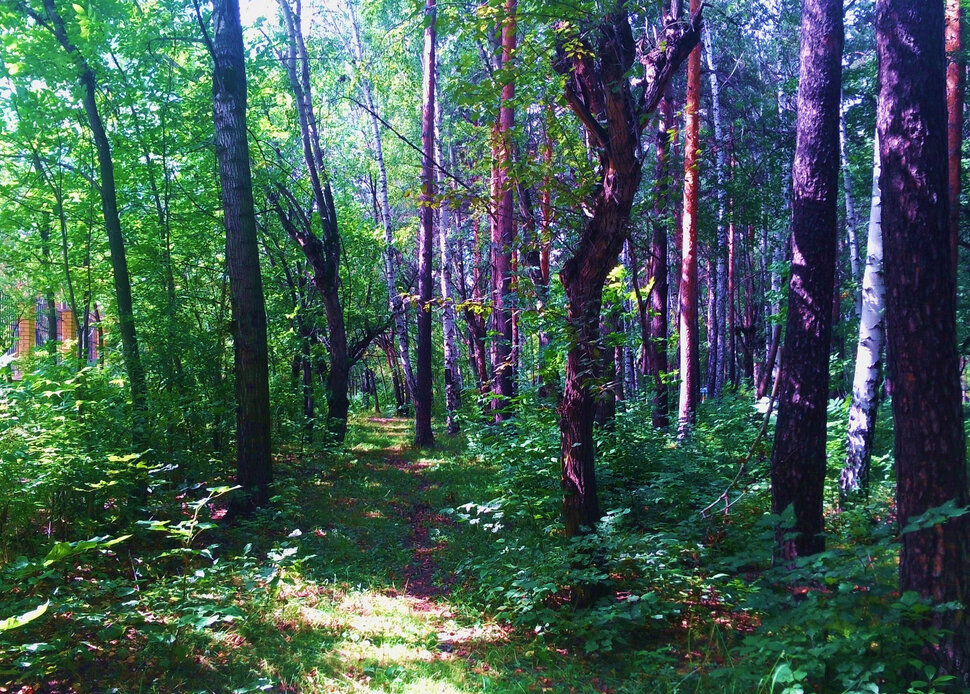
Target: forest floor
[{"x": 367, "y": 603}]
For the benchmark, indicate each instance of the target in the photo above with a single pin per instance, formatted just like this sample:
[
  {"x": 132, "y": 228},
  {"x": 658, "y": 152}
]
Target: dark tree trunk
[
  {"x": 112, "y": 225},
  {"x": 798, "y": 457},
  {"x": 954, "y": 114},
  {"x": 599, "y": 93},
  {"x": 322, "y": 253},
  {"x": 253, "y": 456},
  {"x": 423, "y": 436},
  {"x": 923, "y": 362},
  {"x": 655, "y": 343}
]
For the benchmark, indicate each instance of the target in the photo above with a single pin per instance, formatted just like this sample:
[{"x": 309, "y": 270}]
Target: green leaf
[{"x": 18, "y": 621}]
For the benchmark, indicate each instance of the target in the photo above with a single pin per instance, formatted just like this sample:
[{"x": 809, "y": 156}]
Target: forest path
[{"x": 368, "y": 604}]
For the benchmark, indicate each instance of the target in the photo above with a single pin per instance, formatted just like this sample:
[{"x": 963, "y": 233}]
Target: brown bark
[
  {"x": 690, "y": 369},
  {"x": 423, "y": 436},
  {"x": 503, "y": 229},
  {"x": 603, "y": 100},
  {"x": 253, "y": 456},
  {"x": 798, "y": 456},
  {"x": 930, "y": 446}
]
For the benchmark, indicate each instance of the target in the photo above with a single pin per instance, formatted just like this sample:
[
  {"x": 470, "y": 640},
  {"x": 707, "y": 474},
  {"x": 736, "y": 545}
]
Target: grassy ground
[{"x": 367, "y": 602}]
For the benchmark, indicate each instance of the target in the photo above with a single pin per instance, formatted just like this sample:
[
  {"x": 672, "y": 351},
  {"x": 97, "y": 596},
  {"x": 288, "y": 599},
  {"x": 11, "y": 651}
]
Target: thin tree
[
  {"x": 254, "y": 469},
  {"x": 930, "y": 443},
  {"x": 423, "y": 436},
  {"x": 798, "y": 456},
  {"x": 323, "y": 252},
  {"x": 868, "y": 363},
  {"x": 394, "y": 299},
  {"x": 502, "y": 230},
  {"x": 52, "y": 20},
  {"x": 690, "y": 370}
]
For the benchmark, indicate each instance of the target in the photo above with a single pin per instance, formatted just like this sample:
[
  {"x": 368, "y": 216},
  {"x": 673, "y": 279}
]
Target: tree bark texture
[
  {"x": 923, "y": 361},
  {"x": 599, "y": 93},
  {"x": 955, "y": 66},
  {"x": 690, "y": 369},
  {"x": 423, "y": 436},
  {"x": 253, "y": 454},
  {"x": 448, "y": 312},
  {"x": 721, "y": 295},
  {"x": 798, "y": 456},
  {"x": 854, "y": 478},
  {"x": 503, "y": 229}
]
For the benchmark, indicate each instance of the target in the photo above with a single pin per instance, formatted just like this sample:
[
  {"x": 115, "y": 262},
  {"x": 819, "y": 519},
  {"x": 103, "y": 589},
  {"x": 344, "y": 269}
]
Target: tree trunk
[
  {"x": 850, "y": 214},
  {"x": 448, "y": 312},
  {"x": 322, "y": 253},
  {"x": 603, "y": 101},
  {"x": 253, "y": 456},
  {"x": 690, "y": 376},
  {"x": 722, "y": 296},
  {"x": 954, "y": 121},
  {"x": 112, "y": 225},
  {"x": 930, "y": 443},
  {"x": 798, "y": 457},
  {"x": 503, "y": 229},
  {"x": 423, "y": 436},
  {"x": 854, "y": 479},
  {"x": 655, "y": 364}
]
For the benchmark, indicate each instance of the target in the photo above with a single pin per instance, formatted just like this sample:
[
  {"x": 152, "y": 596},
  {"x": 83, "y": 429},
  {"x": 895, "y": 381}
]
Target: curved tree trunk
[
  {"x": 798, "y": 456},
  {"x": 597, "y": 97},
  {"x": 112, "y": 225}
]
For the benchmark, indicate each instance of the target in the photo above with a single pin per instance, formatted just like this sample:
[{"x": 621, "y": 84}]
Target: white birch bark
[
  {"x": 721, "y": 295},
  {"x": 448, "y": 313},
  {"x": 868, "y": 366},
  {"x": 850, "y": 218}
]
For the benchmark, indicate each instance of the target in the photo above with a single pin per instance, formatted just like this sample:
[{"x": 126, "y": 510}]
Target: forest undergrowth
[{"x": 380, "y": 567}]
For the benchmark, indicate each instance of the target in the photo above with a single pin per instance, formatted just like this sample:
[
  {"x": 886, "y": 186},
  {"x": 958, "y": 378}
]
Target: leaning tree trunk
[
  {"x": 854, "y": 479},
  {"x": 322, "y": 253},
  {"x": 798, "y": 456},
  {"x": 690, "y": 370},
  {"x": 930, "y": 443},
  {"x": 253, "y": 459},
  {"x": 503, "y": 229},
  {"x": 112, "y": 225},
  {"x": 602, "y": 99},
  {"x": 423, "y": 436}
]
